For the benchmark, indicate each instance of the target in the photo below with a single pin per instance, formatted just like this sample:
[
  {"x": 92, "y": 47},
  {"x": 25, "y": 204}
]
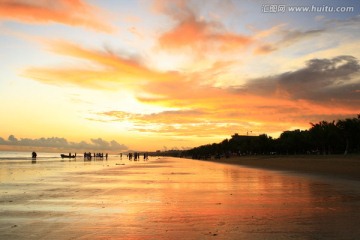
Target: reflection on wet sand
[{"x": 173, "y": 198}]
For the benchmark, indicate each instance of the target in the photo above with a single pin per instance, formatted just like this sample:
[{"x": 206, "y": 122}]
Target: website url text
[{"x": 279, "y": 8}]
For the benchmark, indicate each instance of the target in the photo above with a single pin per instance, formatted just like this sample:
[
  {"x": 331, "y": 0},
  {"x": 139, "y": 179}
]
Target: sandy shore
[
  {"x": 338, "y": 166},
  {"x": 172, "y": 198}
]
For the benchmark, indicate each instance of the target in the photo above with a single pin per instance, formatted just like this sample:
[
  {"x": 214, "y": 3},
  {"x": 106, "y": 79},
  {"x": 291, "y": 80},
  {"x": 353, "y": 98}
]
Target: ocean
[
  {"x": 14, "y": 155},
  {"x": 41, "y": 156}
]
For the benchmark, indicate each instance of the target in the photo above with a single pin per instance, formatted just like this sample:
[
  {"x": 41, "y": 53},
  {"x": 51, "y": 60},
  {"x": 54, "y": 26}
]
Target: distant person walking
[{"x": 34, "y": 155}]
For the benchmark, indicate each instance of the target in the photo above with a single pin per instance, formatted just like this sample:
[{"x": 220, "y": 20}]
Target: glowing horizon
[{"x": 151, "y": 75}]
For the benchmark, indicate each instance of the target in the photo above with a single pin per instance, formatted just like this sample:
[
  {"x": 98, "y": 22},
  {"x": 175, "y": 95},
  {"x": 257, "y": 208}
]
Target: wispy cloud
[
  {"x": 68, "y": 12},
  {"x": 189, "y": 123},
  {"x": 194, "y": 32},
  {"x": 284, "y": 36},
  {"x": 280, "y": 37},
  {"x": 109, "y": 70}
]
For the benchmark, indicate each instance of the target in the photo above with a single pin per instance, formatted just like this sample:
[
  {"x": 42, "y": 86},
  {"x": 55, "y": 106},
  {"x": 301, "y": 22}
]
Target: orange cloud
[
  {"x": 226, "y": 114},
  {"x": 239, "y": 114},
  {"x": 198, "y": 107},
  {"x": 69, "y": 12},
  {"x": 207, "y": 35},
  {"x": 186, "y": 33},
  {"x": 192, "y": 31},
  {"x": 111, "y": 71},
  {"x": 178, "y": 123}
]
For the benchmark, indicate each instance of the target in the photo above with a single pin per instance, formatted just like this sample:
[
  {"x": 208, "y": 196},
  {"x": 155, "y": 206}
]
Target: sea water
[{"x": 17, "y": 155}]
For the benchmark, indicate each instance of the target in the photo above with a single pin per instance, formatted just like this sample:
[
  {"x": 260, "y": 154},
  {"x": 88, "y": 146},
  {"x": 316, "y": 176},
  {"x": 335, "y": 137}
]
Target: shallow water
[{"x": 169, "y": 198}]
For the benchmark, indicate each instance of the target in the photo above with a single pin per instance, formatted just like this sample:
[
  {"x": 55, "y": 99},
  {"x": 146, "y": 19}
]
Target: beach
[
  {"x": 334, "y": 166},
  {"x": 171, "y": 198}
]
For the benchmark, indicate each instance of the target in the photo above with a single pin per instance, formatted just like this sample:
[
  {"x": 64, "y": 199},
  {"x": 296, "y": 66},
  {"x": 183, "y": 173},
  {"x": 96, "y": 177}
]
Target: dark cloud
[
  {"x": 334, "y": 81},
  {"x": 62, "y": 143}
]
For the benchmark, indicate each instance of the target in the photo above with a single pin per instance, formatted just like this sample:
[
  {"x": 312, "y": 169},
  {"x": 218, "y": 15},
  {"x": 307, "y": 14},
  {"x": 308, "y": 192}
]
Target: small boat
[{"x": 67, "y": 156}]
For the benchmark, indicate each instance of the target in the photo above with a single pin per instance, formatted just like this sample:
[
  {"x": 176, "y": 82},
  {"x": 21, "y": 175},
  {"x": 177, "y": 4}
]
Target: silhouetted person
[{"x": 34, "y": 155}]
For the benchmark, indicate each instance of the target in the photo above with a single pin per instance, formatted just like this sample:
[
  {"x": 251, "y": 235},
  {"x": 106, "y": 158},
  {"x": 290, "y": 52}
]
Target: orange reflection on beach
[{"x": 169, "y": 198}]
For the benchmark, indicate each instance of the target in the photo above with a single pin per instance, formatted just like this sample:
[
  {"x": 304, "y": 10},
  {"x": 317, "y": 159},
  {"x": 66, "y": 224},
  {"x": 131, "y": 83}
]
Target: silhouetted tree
[
  {"x": 323, "y": 137},
  {"x": 350, "y": 131}
]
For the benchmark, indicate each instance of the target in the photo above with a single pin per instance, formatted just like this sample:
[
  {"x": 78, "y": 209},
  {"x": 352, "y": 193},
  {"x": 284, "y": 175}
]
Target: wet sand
[
  {"x": 169, "y": 198},
  {"x": 335, "y": 166}
]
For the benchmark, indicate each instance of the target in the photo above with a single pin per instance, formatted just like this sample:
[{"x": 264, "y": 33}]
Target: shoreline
[{"x": 336, "y": 166}]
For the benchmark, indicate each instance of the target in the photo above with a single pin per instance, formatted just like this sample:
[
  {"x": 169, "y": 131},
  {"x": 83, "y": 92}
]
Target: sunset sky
[{"x": 144, "y": 75}]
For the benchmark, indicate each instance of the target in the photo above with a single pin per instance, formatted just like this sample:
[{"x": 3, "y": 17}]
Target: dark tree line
[{"x": 335, "y": 137}]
